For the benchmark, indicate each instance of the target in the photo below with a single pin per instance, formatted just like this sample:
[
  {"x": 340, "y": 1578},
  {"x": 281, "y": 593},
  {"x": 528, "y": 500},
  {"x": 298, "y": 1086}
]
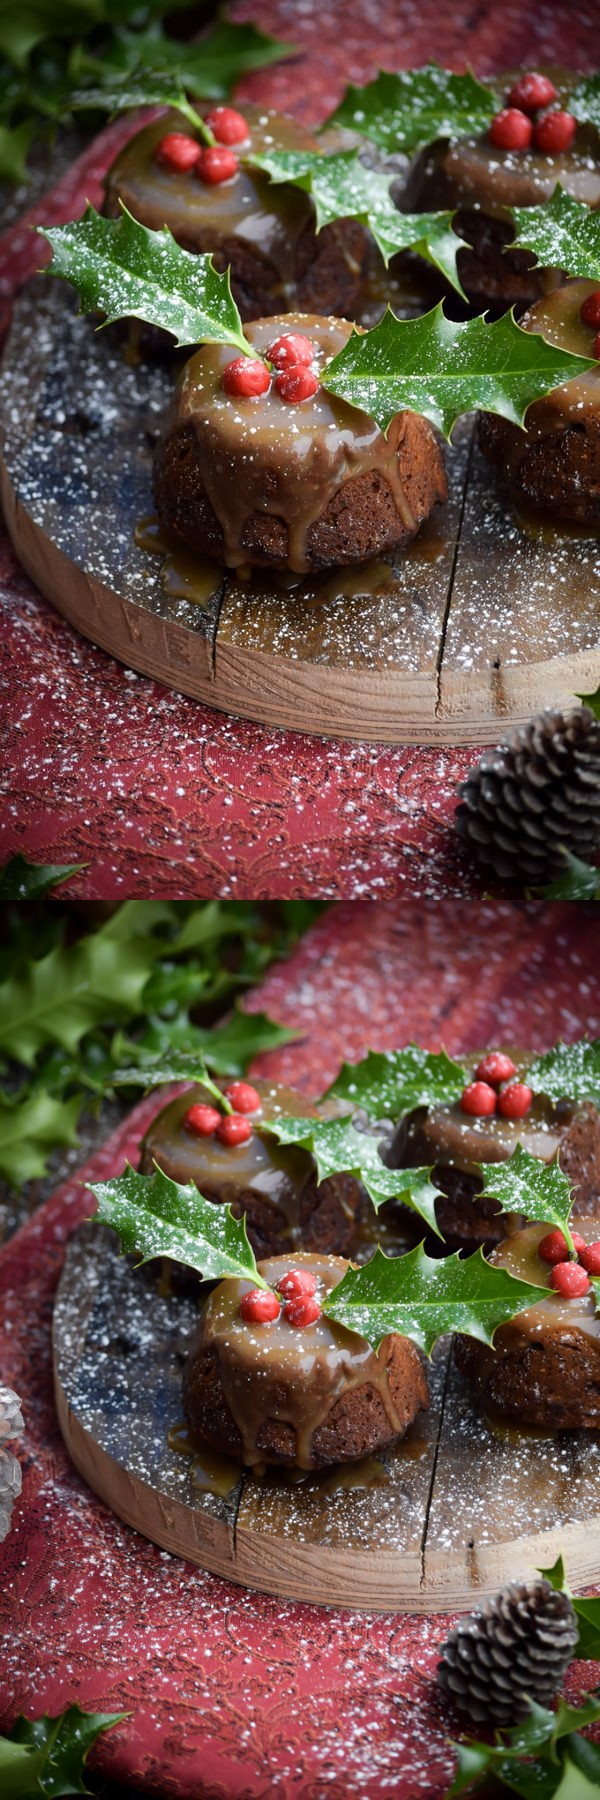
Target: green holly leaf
[
  {"x": 562, "y": 233},
  {"x": 227, "y": 1048},
  {"x": 580, "y": 1778},
  {"x": 390, "y": 1083},
  {"x": 49, "y": 1755},
  {"x": 569, "y": 1069},
  {"x": 15, "y": 142},
  {"x": 138, "y": 88},
  {"x": 339, "y": 1149},
  {"x": 21, "y": 880},
  {"x": 209, "y": 67},
  {"x": 508, "y": 1761},
  {"x": 424, "y": 1297},
  {"x": 30, "y": 1128},
  {"x": 584, "y": 101},
  {"x": 177, "y": 1065},
  {"x": 127, "y": 271},
  {"x": 342, "y": 188},
  {"x": 440, "y": 369},
  {"x": 526, "y": 1185},
  {"x": 581, "y": 881},
  {"x": 587, "y": 1610},
  {"x": 61, "y": 997},
  {"x": 415, "y": 106},
  {"x": 591, "y": 700},
  {"x": 155, "y": 1216}
]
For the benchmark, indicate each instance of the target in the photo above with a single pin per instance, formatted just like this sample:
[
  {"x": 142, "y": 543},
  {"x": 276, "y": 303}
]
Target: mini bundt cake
[
  {"x": 455, "y": 1140},
  {"x": 274, "y": 1185},
  {"x": 263, "y": 479},
  {"x": 506, "y": 166},
  {"x": 296, "y": 1388},
  {"x": 544, "y": 1367},
  {"x": 264, "y": 231},
  {"x": 554, "y": 465}
]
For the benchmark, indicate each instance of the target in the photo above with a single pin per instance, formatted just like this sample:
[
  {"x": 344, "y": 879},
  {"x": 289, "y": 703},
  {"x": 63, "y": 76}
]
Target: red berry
[
  {"x": 296, "y": 384},
  {"x": 233, "y": 1130},
  {"x": 511, "y": 130},
  {"x": 259, "y": 1306},
  {"x": 555, "y": 132},
  {"x": 202, "y": 1121},
  {"x": 228, "y": 126},
  {"x": 589, "y": 310},
  {"x": 302, "y": 1311},
  {"x": 495, "y": 1068},
  {"x": 216, "y": 164},
  {"x": 291, "y": 352},
  {"x": 568, "y": 1279},
  {"x": 516, "y": 1100},
  {"x": 177, "y": 151},
  {"x": 245, "y": 377},
  {"x": 298, "y": 1284},
  {"x": 554, "y": 1248},
  {"x": 589, "y": 1258},
  {"x": 478, "y": 1099},
  {"x": 243, "y": 1097},
  {"x": 532, "y": 91}
]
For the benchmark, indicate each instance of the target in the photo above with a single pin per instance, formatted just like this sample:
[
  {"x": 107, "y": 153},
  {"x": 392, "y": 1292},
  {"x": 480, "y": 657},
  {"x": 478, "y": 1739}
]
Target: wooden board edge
[
  {"x": 166, "y": 1520},
  {"x": 478, "y": 1573},
  {"x": 142, "y": 640}
]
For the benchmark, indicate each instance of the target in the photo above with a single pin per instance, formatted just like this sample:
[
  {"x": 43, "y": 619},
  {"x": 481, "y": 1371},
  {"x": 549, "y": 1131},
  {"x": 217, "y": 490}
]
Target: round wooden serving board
[
  {"x": 459, "y": 1509},
  {"x": 477, "y": 626}
]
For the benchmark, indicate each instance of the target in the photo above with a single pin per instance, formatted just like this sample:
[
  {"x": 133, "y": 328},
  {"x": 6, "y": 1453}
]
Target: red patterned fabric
[
  {"x": 233, "y": 1694},
  {"x": 155, "y": 793}
]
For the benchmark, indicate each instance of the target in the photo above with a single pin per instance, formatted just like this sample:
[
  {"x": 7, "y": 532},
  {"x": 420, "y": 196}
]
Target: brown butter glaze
[
  {"x": 557, "y": 317},
  {"x": 278, "y": 1372},
  {"x": 553, "y": 466},
  {"x": 447, "y": 1135},
  {"x": 274, "y": 1184},
  {"x": 265, "y": 456},
  {"x": 265, "y": 217},
  {"x": 544, "y": 1366}
]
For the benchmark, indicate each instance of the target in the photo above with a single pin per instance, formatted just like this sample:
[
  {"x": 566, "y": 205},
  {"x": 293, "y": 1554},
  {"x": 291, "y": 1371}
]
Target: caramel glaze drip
[
  {"x": 265, "y": 218},
  {"x": 451, "y": 1137},
  {"x": 276, "y": 1173},
  {"x": 264, "y": 455},
  {"x": 278, "y": 1371},
  {"x": 556, "y": 316},
  {"x": 519, "y": 1254}
]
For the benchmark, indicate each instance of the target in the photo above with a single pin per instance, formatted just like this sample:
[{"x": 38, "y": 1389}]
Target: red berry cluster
[
  {"x": 589, "y": 312},
  {"x": 229, "y": 1128},
  {"x": 291, "y": 356},
  {"x": 494, "y": 1090},
  {"x": 570, "y": 1278},
  {"x": 526, "y": 120},
  {"x": 212, "y": 163},
  {"x": 296, "y": 1294}
]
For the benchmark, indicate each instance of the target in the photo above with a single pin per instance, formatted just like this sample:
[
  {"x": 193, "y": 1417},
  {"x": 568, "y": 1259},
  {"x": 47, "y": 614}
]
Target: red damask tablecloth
[
  {"x": 232, "y": 1694},
  {"x": 155, "y": 793}
]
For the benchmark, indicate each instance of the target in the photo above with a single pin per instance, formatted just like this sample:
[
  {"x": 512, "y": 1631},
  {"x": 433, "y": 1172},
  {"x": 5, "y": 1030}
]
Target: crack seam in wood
[{"x": 446, "y": 618}]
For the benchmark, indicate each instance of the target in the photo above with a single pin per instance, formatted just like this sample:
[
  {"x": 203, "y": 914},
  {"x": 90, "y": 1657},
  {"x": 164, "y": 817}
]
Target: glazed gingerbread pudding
[
  {"x": 496, "y": 1112},
  {"x": 554, "y": 466},
  {"x": 270, "y": 1379},
  {"x": 544, "y": 1367},
  {"x": 532, "y": 144},
  {"x": 212, "y": 200},
  {"x": 260, "y": 464},
  {"x": 275, "y": 1186}
]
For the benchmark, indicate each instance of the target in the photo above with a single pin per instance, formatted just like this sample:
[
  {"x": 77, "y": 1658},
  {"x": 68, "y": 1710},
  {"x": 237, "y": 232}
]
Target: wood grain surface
[
  {"x": 461, "y": 1506},
  {"x": 479, "y": 624}
]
